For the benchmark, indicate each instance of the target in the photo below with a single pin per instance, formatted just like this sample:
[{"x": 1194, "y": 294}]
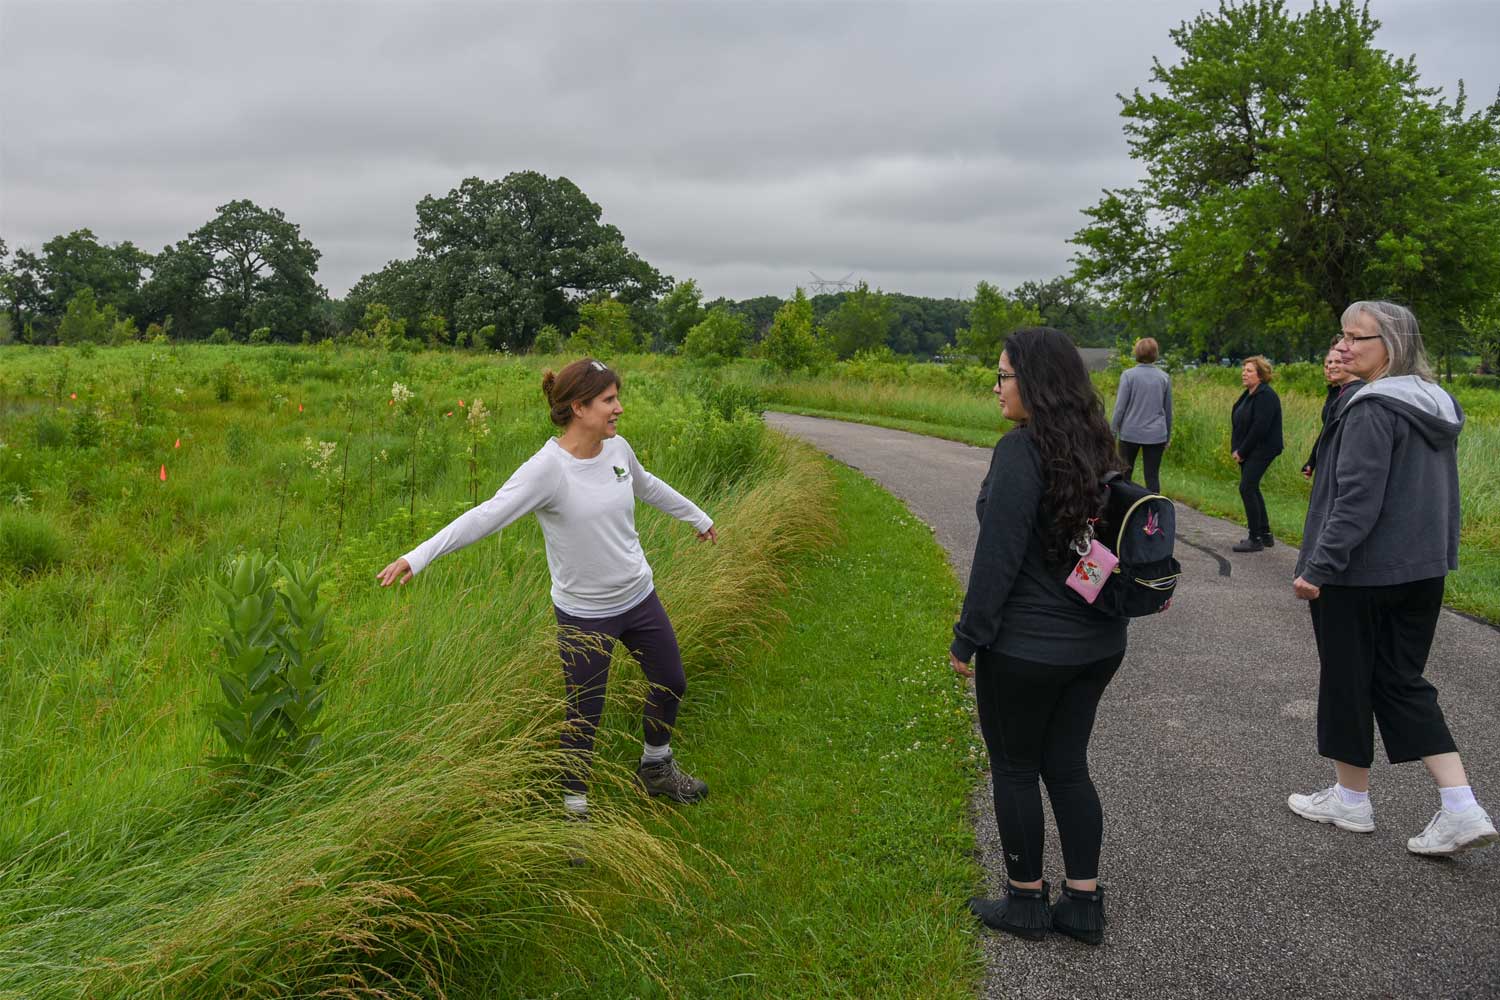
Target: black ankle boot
[
  {"x": 1267, "y": 540},
  {"x": 1080, "y": 914},
  {"x": 1022, "y": 912},
  {"x": 1251, "y": 544}
]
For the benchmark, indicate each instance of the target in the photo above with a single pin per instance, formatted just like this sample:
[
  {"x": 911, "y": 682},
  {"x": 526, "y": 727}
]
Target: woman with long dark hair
[
  {"x": 1042, "y": 657},
  {"x": 582, "y": 485}
]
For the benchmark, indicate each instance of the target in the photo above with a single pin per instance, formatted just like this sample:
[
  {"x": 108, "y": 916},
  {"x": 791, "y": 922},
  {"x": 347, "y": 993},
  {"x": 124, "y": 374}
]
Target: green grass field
[
  {"x": 1197, "y": 468},
  {"x": 422, "y": 851}
]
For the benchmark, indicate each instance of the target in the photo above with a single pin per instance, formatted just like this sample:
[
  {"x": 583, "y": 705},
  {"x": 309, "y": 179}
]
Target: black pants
[
  {"x": 1251, "y": 471},
  {"x": 1152, "y": 454},
  {"x": 1036, "y": 719},
  {"x": 585, "y": 645},
  {"x": 1372, "y": 648}
]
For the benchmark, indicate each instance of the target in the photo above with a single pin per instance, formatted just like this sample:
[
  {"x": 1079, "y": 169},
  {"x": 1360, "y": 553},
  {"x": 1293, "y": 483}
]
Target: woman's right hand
[
  {"x": 397, "y": 572},
  {"x": 1237, "y": 457}
]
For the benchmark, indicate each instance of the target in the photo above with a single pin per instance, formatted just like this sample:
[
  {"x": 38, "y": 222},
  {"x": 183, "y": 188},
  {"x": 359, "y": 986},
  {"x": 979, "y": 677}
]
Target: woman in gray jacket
[
  {"x": 1143, "y": 413},
  {"x": 1381, "y": 534}
]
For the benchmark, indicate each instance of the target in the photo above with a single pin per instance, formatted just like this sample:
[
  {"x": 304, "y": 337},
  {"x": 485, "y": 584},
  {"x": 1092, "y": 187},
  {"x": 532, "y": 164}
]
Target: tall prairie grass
[{"x": 425, "y": 842}]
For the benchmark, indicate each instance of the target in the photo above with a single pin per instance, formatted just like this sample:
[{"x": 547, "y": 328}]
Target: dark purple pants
[{"x": 647, "y": 633}]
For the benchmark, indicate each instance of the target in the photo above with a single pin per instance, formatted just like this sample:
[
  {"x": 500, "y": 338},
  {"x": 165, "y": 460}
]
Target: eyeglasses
[
  {"x": 1349, "y": 338},
  {"x": 1001, "y": 374}
]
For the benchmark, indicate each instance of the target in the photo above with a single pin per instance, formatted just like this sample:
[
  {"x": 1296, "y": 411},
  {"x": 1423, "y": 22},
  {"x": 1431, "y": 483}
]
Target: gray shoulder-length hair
[{"x": 1398, "y": 330}]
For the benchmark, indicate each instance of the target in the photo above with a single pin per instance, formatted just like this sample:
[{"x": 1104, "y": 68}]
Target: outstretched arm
[{"x": 529, "y": 487}]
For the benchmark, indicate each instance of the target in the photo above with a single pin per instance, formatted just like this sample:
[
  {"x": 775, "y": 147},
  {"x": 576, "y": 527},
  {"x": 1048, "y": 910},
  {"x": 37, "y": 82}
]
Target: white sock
[
  {"x": 1348, "y": 797},
  {"x": 576, "y": 803},
  {"x": 655, "y": 755},
  {"x": 1458, "y": 798}
]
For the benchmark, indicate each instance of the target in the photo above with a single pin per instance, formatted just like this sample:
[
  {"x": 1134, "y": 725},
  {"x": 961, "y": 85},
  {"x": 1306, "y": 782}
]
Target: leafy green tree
[
  {"x": 1292, "y": 167},
  {"x": 524, "y": 251},
  {"x": 404, "y": 286},
  {"x": 861, "y": 322},
  {"x": 718, "y": 339},
  {"x": 605, "y": 330},
  {"x": 679, "y": 311},
  {"x": 434, "y": 330},
  {"x": 84, "y": 322},
  {"x": 262, "y": 269},
  {"x": 790, "y": 344},
  {"x": 992, "y": 318},
  {"x": 77, "y": 260},
  {"x": 177, "y": 293}
]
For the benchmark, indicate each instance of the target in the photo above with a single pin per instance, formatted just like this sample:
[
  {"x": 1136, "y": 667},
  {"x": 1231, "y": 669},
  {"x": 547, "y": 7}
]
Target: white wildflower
[
  {"x": 400, "y": 393},
  {"x": 319, "y": 453},
  {"x": 479, "y": 419}
]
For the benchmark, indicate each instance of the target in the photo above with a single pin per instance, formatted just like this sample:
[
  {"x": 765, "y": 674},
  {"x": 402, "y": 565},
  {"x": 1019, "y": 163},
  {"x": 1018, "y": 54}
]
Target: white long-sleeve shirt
[{"x": 586, "y": 507}]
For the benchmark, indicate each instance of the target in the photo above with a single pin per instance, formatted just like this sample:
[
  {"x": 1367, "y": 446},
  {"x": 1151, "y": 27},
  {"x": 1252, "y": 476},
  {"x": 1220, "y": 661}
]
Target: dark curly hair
[{"x": 1067, "y": 423}]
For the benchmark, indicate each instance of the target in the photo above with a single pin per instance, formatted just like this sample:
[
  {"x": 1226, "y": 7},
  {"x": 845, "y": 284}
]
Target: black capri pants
[{"x": 1372, "y": 649}]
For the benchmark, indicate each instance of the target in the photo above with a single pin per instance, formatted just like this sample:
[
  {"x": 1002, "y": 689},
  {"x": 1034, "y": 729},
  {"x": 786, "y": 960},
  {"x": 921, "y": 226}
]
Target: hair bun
[{"x": 548, "y": 381}]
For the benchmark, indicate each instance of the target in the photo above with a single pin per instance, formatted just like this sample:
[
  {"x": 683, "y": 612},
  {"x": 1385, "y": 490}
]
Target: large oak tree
[{"x": 1292, "y": 167}]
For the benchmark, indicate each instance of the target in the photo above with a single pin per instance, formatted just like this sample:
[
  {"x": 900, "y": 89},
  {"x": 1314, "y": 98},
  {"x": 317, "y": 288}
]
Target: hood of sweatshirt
[{"x": 1432, "y": 411}]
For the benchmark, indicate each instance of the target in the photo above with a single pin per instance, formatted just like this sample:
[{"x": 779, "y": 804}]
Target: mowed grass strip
[{"x": 835, "y": 848}]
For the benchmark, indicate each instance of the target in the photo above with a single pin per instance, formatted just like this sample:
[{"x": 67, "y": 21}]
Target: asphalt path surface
[{"x": 1213, "y": 887}]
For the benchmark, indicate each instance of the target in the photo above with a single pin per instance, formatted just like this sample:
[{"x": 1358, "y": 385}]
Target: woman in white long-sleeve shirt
[{"x": 582, "y": 486}]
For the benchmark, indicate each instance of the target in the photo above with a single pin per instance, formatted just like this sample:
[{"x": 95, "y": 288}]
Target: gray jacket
[
  {"x": 1143, "y": 406},
  {"x": 1384, "y": 506}
]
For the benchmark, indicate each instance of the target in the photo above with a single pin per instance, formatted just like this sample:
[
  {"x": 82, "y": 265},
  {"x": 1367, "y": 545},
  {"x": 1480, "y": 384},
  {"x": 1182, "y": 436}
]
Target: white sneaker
[
  {"x": 1455, "y": 832},
  {"x": 1328, "y": 807}
]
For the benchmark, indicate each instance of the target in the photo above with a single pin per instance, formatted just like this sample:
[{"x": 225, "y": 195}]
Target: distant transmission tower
[{"x": 822, "y": 286}]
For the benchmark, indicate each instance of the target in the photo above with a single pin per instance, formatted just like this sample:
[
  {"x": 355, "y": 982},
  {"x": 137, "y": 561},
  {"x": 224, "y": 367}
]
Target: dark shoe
[
  {"x": 1248, "y": 545},
  {"x": 1267, "y": 541},
  {"x": 1080, "y": 914},
  {"x": 1022, "y": 912},
  {"x": 666, "y": 778}
]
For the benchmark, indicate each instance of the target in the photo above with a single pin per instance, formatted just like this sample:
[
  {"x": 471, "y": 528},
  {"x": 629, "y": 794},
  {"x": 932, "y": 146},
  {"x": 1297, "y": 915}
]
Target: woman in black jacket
[
  {"x": 1042, "y": 657},
  {"x": 1341, "y": 385},
  {"x": 1255, "y": 441}
]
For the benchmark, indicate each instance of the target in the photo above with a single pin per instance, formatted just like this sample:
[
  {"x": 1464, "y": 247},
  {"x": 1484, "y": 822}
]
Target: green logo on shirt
[{"x": 620, "y": 474}]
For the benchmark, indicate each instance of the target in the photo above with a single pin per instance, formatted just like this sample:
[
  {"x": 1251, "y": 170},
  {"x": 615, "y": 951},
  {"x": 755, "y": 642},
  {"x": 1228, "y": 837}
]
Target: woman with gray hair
[
  {"x": 1143, "y": 413},
  {"x": 1381, "y": 534}
]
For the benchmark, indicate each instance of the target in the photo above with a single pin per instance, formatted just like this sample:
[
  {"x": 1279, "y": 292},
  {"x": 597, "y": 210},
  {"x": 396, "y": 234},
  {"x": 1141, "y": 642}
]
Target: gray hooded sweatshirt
[{"x": 1384, "y": 506}]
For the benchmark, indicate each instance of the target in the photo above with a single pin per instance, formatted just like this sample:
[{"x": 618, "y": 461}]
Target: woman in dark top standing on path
[
  {"x": 1341, "y": 386},
  {"x": 1143, "y": 413},
  {"x": 1043, "y": 658},
  {"x": 1380, "y": 538},
  {"x": 1255, "y": 441}
]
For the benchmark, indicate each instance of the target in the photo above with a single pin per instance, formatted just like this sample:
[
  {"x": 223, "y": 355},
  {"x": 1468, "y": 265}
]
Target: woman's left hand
[
  {"x": 1237, "y": 457},
  {"x": 960, "y": 668},
  {"x": 1304, "y": 590},
  {"x": 709, "y": 536}
]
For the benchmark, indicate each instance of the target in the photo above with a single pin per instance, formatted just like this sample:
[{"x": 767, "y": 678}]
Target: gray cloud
[{"x": 922, "y": 146}]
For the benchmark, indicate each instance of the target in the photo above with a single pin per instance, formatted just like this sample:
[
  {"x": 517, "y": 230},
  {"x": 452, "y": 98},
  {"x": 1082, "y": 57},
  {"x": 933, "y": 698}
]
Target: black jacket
[
  {"x": 1018, "y": 602},
  {"x": 1255, "y": 424},
  {"x": 1335, "y": 394}
]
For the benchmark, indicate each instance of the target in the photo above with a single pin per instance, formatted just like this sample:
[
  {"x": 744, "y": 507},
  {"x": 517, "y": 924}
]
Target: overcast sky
[{"x": 921, "y": 147}]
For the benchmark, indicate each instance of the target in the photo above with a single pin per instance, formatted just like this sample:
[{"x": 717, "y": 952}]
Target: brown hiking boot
[{"x": 666, "y": 778}]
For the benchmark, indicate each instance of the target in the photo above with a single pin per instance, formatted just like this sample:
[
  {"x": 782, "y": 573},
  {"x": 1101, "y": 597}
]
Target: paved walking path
[{"x": 1213, "y": 888}]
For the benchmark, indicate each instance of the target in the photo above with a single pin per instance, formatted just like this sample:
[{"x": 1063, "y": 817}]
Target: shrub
[
  {"x": 221, "y": 336},
  {"x": 29, "y": 543},
  {"x": 88, "y": 429},
  {"x": 548, "y": 340},
  {"x": 718, "y": 339},
  {"x": 226, "y": 378},
  {"x": 260, "y": 335}
]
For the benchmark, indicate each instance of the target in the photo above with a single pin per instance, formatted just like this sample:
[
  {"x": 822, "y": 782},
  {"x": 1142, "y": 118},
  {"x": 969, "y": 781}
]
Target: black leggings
[
  {"x": 1152, "y": 455},
  {"x": 1251, "y": 471},
  {"x": 647, "y": 633},
  {"x": 1037, "y": 719}
]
